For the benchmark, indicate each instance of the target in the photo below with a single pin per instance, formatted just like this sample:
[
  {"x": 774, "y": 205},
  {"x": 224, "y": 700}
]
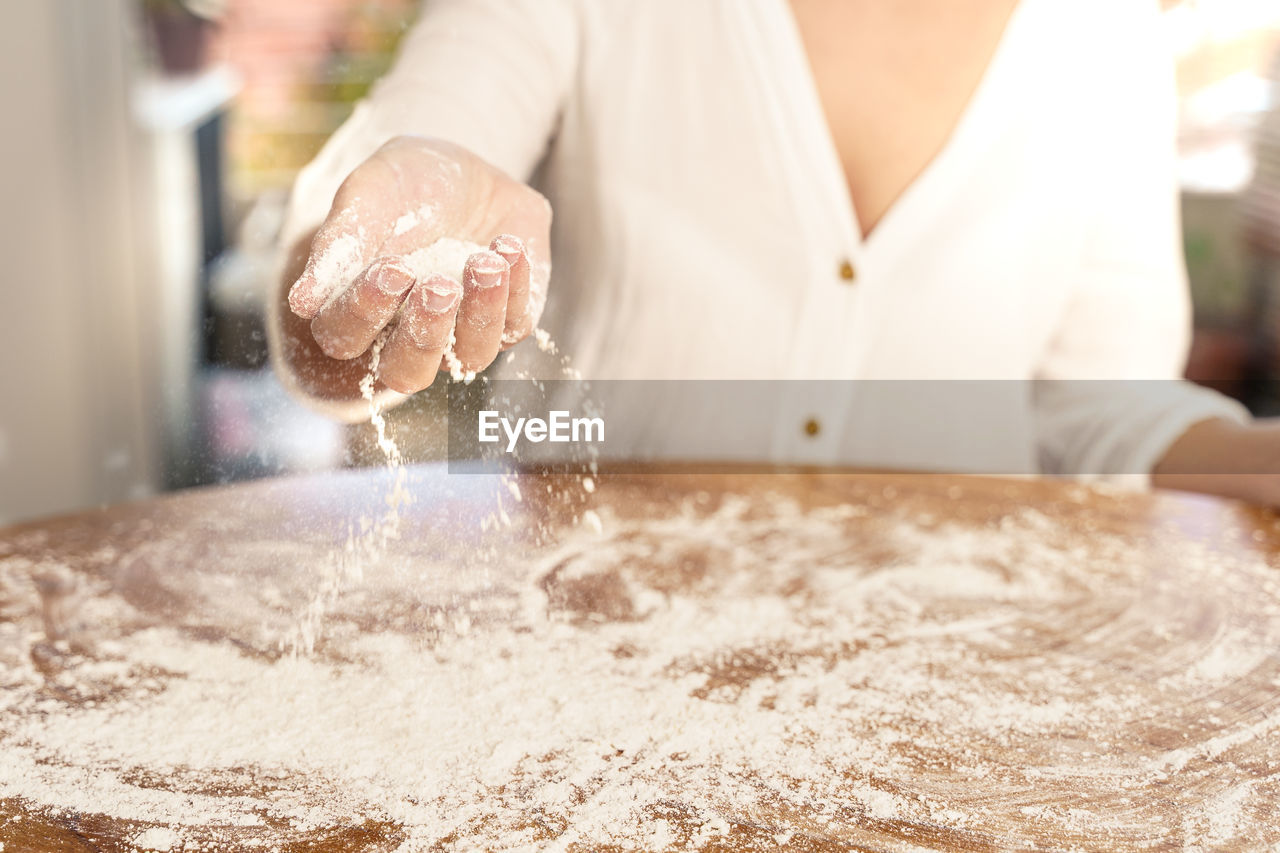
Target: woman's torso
[{"x": 704, "y": 228}]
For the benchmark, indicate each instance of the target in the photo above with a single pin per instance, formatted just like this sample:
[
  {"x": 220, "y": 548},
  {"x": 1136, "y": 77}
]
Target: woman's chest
[{"x": 894, "y": 80}]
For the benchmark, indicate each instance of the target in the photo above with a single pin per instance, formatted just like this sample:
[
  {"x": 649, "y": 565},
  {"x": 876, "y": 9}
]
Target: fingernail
[
  {"x": 298, "y": 301},
  {"x": 439, "y": 294},
  {"x": 508, "y": 246},
  {"x": 485, "y": 270},
  {"x": 391, "y": 277}
]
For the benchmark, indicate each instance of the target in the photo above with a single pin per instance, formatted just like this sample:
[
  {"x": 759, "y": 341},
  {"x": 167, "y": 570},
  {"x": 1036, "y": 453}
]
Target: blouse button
[
  {"x": 812, "y": 427},
  {"x": 847, "y": 272}
]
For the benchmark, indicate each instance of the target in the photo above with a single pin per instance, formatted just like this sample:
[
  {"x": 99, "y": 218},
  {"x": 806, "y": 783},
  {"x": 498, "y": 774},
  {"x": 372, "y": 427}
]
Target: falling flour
[{"x": 369, "y": 539}]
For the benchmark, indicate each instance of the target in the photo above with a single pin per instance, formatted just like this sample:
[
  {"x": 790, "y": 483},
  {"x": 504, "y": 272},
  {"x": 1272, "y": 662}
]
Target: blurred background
[{"x": 151, "y": 145}]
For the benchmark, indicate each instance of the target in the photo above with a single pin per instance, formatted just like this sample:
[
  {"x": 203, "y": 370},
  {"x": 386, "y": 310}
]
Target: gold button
[
  {"x": 847, "y": 272},
  {"x": 812, "y": 427}
]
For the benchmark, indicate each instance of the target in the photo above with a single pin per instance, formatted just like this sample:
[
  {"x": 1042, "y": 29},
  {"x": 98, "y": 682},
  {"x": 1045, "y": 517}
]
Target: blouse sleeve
[
  {"x": 489, "y": 75},
  {"x": 1110, "y": 399}
]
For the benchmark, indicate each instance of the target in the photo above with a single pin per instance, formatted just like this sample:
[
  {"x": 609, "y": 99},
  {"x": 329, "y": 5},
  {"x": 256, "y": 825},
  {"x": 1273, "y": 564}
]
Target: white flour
[
  {"x": 368, "y": 540},
  {"x": 446, "y": 257},
  {"x": 370, "y": 537},
  {"x": 339, "y": 264},
  {"x": 412, "y": 220},
  {"x": 751, "y": 671},
  {"x": 159, "y": 839}
]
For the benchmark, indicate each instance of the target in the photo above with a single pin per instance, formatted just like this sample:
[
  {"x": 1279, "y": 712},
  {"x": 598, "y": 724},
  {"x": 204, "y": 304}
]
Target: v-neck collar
[{"x": 819, "y": 144}]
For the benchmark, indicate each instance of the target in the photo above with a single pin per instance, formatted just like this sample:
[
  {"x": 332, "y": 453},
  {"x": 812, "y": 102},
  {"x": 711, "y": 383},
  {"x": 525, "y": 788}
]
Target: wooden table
[{"x": 1042, "y": 665}]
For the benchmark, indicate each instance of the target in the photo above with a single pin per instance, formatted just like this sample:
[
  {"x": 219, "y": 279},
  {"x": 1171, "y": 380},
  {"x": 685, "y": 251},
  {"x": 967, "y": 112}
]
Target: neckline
[{"x": 961, "y": 138}]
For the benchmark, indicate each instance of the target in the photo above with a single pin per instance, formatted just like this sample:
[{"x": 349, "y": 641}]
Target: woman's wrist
[
  {"x": 1268, "y": 478},
  {"x": 1226, "y": 458}
]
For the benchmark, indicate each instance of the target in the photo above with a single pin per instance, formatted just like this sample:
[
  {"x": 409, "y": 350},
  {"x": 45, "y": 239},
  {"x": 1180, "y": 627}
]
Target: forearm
[{"x": 1224, "y": 458}]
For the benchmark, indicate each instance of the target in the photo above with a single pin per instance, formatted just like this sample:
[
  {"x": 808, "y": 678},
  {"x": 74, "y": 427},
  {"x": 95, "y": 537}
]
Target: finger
[
  {"x": 413, "y": 353},
  {"x": 530, "y": 217},
  {"x": 346, "y": 326},
  {"x": 518, "y": 324},
  {"x": 482, "y": 315},
  {"x": 350, "y": 238}
]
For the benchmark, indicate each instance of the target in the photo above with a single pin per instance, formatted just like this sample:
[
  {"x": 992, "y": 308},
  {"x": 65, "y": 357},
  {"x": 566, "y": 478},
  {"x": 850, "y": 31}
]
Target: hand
[
  {"x": 409, "y": 194},
  {"x": 1221, "y": 457}
]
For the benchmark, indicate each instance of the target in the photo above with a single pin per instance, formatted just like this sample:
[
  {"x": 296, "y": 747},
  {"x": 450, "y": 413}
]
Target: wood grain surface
[{"x": 1143, "y": 626}]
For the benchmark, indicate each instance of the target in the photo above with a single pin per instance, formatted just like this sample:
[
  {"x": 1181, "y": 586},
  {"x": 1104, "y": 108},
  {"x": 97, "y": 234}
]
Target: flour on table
[
  {"x": 159, "y": 839},
  {"x": 742, "y": 674}
]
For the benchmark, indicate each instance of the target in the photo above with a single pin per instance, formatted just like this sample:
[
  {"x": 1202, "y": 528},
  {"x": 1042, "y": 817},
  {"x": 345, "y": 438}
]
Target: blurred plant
[
  {"x": 269, "y": 147},
  {"x": 365, "y": 51}
]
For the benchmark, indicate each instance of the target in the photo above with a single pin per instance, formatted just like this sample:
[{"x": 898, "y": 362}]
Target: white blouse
[{"x": 704, "y": 229}]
